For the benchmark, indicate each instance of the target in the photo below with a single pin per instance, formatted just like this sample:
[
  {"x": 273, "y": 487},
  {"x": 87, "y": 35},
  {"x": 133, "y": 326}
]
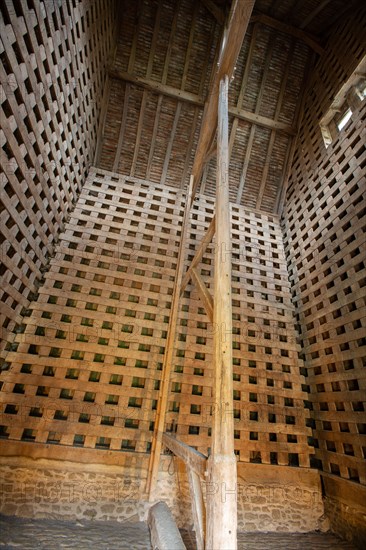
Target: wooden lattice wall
[
  {"x": 54, "y": 56},
  {"x": 86, "y": 370},
  {"x": 324, "y": 225}
]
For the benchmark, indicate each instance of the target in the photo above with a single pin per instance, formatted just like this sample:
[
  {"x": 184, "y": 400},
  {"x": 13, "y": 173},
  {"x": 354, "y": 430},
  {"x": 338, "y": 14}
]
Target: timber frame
[{"x": 221, "y": 524}]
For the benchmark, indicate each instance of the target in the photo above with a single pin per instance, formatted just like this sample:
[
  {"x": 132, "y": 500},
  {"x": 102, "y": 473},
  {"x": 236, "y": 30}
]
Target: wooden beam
[
  {"x": 197, "y": 100},
  {"x": 268, "y": 21},
  {"x": 204, "y": 293},
  {"x": 199, "y": 253},
  {"x": 260, "y": 120},
  {"x": 214, "y": 10},
  {"x": 232, "y": 40},
  {"x": 153, "y": 470},
  {"x": 314, "y": 13},
  {"x": 157, "y": 87},
  {"x": 193, "y": 459},
  {"x": 198, "y": 508},
  {"x": 122, "y": 129},
  {"x": 221, "y": 524}
]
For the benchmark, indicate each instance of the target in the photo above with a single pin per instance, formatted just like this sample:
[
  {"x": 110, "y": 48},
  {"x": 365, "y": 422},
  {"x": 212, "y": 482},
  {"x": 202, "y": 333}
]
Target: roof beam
[
  {"x": 314, "y": 13},
  {"x": 231, "y": 43},
  {"x": 217, "y": 12},
  {"x": 194, "y": 99},
  {"x": 310, "y": 40}
]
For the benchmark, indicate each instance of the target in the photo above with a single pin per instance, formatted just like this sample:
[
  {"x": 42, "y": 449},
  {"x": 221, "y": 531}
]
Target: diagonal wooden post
[
  {"x": 222, "y": 476},
  {"x": 159, "y": 429}
]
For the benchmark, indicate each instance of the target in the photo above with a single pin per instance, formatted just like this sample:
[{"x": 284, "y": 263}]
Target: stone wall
[
  {"x": 270, "y": 498},
  {"x": 345, "y": 506}
]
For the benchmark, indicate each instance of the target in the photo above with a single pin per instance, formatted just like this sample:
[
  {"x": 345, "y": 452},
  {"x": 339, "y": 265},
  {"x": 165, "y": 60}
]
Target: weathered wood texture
[
  {"x": 92, "y": 348},
  {"x": 324, "y": 228},
  {"x": 158, "y": 65},
  {"x": 54, "y": 57}
]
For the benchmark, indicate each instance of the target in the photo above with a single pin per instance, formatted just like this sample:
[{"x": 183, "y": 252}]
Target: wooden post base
[{"x": 221, "y": 503}]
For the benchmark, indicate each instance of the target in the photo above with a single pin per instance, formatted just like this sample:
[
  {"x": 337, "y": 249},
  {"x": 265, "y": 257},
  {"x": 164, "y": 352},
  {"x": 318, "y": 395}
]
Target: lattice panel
[
  {"x": 87, "y": 368},
  {"x": 269, "y": 396},
  {"x": 324, "y": 224},
  {"x": 52, "y": 76}
]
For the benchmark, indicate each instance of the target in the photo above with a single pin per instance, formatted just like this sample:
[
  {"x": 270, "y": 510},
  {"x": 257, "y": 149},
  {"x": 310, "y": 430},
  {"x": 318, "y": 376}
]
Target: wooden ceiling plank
[
  {"x": 189, "y": 46},
  {"x": 214, "y": 10},
  {"x": 189, "y": 148},
  {"x": 122, "y": 129},
  {"x": 310, "y": 40},
  {"x": 276, "y": 115},
  {"x": 154, "y": 40},
  {"x": 153, "y": 137},
  {"x": 230, "y": 48},
  {"x": 242, "y": 88},
  {"x": 281, "y": 197},
  {"x": 170, "y": 143},
  {"x": 138, "y": 133},
  {"x": 131, "y": 61},
  {"x": 314, "y": 13},
  {"x": 170, "y": 42},
  {"x": 248, "y": 151}
]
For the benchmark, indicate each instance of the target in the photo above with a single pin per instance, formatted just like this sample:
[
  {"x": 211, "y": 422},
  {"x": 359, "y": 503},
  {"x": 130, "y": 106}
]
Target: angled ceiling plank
[
  {"x": 145, "y": 96},
  {"x": 154, "y": 134},
  {"x": 310, "y": 40},
  {"x": 314, "y": 13},
  {"x": 217, "y": 12},
  {"x": 230, "y": 48},
  {"x": 281, "y": 197},
  {"x": 122, "y": 129},
  {"x": 281, "y": 95},
  {"x": 243, "y": 87},
  {"x": 170, "y": 143},
  {"x": 249, "y": 147},
  {"x": 139, "y": 132}
]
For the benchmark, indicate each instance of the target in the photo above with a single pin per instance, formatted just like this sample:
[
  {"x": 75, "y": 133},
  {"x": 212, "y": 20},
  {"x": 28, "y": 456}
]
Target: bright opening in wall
[
  {"x": 344, "y": 104},
  {"x": 345, "y": 118}
]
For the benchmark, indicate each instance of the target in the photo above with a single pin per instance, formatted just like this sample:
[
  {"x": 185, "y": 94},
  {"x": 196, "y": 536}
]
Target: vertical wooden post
[{"x": 221, "y": 490}]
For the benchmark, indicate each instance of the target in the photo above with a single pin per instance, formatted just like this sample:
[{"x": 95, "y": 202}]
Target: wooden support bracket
[
  {"x": 199, "y": 254},
  {"x": 193, "y": 459},
  {"x": 204, "y": 293}
]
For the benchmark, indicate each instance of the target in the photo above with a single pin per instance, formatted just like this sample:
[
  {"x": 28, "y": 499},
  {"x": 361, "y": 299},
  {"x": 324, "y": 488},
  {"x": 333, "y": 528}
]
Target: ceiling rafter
[
  {"x": 214, "y": 9},
  {"x": 182, "y": 95},
  {"x": 310, "y": 40}
]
